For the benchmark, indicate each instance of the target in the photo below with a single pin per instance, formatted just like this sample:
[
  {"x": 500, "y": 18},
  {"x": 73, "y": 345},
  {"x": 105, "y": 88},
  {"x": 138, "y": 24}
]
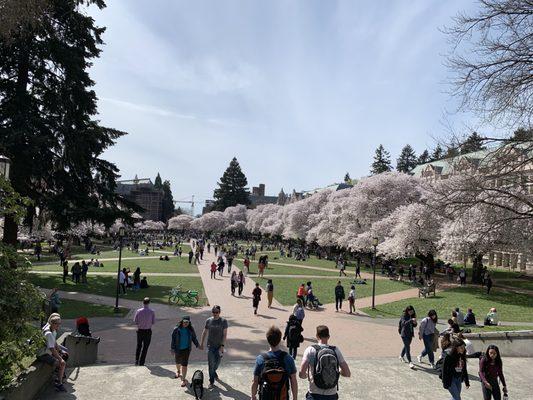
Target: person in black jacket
[
  {"x": 180, "y": 345},
  {"x": 454, "y": 369},
  {"x": 339, "y": 296},
  {"x": 293, "y": 335},
  {"x": 407, "y": 332}
]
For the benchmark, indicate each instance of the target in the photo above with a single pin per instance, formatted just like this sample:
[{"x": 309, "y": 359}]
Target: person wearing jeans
[
  {"x": 406, "y": 331},
  {"x": 216, "y": 330},
  {"x": 426, "y": 332},
  {"x": 454, "y": 371}
]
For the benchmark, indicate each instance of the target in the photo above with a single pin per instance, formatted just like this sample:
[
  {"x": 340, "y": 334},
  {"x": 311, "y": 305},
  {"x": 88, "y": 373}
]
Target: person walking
[
  {"x": 300, "y": 294},
  {"x": 229, "y": 260},
  {"x": 183, "y": 336},
  {"x": 270, "y": 292},
  {"x": 240, "y": 282},
  {"x": 76, "y": 272},
  {"x": 426, "y": 332},
  {"x": 191, "y": 255},
  {"x": 233, "y": 282},
  {"x": 358, "y": 270},
  {"x": 122, "y": 280},
  {"x": 339, "y": 296},
  {"x": 216, "y": 331},
  {"x": 322, "y": 365},
  {"x": 298, "y": 310},
  {"x": 342, "y": 268},
  {"x": 490, "y": 369},
  {"x": 220, "y": 266},
  {"x": 268, "y": 368},
  {"x": 137, "y": 279},
  {"x": 293, "y": 335},
  {"x": 488, "y": 283},
  {"x": 65, "y": 271},
  {"x": 246, "y": 263},
  {"x": 213, "y": 270},
  {"x": 351, "y": 299},
  {"x": 256, "y": 294},
  {"x": 84, "y": 269},
  {"x": 407, "y": 332},
  {"x": 454, "y": 371},
  {"x": 144, "y": 319}
]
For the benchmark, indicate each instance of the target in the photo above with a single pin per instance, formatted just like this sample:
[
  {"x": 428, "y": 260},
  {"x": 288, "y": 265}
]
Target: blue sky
[{"x": 299, "y": 91}]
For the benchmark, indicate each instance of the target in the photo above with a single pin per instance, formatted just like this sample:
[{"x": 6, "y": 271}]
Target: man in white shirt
[
  {"x": 316, "y": 389},
  {"x": 52, "y": 354}
]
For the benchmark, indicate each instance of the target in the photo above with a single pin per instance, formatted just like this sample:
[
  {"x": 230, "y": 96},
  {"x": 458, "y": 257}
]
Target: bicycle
[{"x": 179, "y": 296}]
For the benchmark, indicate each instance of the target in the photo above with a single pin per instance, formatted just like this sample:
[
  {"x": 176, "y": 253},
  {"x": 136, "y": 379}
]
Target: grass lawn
[
  {"x": 106, "y": 286},
  {"x": 286, "y": 270},
  {"x": 71, "y": 309},
  {"x": 285, "y": 288},
  {"x": 511, "y": 306},
  {"x": 518, "y": 283},
  {"x": 312, "y": 261},
  {"x": 175, "y": 264}
]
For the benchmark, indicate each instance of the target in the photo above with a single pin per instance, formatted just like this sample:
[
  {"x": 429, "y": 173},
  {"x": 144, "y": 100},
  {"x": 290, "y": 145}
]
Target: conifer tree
[
  {"x": 168, "y": 202},
  {"x": 474, "y": 142},
  {"x": 232, "y": 188},
  {"x": 158, "y": 183},
  {"x": 423, "y": 158},
  {"x": 381, "y": 162},
  {"x": 347, "y": 178},
  {"x": 437, "y": 154},
  {"x": 407, "y": 160}
]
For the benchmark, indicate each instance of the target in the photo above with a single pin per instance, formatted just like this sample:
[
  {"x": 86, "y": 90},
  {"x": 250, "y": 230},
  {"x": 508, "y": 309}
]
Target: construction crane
[{"x": 191, "y": 202}]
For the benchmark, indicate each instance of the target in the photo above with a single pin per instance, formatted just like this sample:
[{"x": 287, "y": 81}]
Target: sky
[{"x": 301, "y": 92}]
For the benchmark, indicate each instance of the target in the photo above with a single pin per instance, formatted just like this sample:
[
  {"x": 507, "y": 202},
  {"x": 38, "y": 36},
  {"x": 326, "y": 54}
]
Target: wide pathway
[{"x": 372, "y": 379}]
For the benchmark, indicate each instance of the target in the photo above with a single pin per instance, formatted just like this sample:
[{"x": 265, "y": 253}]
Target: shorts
[
  {"x": 47, "y": 359},
  {"x": 255, "y": 302},
  {"x": 314, "y": 396},
  {"x": 182, "y": 357}
]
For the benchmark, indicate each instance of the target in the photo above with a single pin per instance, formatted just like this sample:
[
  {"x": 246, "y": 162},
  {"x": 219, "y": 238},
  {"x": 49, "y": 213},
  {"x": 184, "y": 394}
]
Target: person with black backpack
[
  {"x": 322, "y": 365},
  {"x": 339, "y": 296},
  {"x": 275, "y": 371},
  {"x": 293, "y": 335}
]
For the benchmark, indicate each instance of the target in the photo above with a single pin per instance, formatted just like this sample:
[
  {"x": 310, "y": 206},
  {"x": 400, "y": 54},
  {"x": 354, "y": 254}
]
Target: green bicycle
[{"x": 184, "y": 297}]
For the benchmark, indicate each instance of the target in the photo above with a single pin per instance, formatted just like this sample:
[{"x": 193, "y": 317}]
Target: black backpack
[
  {"x": 294, "y": 333},
  {"x": 326, "y": 367},
  {"x": 274, "y": 379}
]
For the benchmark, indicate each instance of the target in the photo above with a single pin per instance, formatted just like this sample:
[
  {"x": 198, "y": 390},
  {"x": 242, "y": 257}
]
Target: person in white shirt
[
  {"x": 122, "y": 280},
  {"x": 53, "y": 353}
]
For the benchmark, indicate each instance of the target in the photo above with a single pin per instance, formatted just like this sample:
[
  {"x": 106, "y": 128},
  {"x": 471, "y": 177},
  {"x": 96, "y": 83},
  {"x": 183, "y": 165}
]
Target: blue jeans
[
  {"x": 428, "y": 347},
  {"x": 455, "y": 388},
  {"x": 213, "y": 361},
  {"x": 406, "y": 351}
]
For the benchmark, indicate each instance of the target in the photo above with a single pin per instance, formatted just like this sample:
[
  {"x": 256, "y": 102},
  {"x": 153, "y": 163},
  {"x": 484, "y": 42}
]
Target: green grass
[
  {"x": 312, "y": 261},
  {"x": 511, "y": 306},
  {"x": 500, "y": 328},
  {"x": 71, "y": 309},
  {"x": 518, "y": 283},
  {"x": 106, "y": 286},
  {"x": 175, "y": 265},
  {"x": 285, "y": 288},
  {"x": 274, "y": 269}
]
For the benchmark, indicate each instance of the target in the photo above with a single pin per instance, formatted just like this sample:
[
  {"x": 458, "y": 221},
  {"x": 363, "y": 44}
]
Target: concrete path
[{"x": 372, "y": 379}]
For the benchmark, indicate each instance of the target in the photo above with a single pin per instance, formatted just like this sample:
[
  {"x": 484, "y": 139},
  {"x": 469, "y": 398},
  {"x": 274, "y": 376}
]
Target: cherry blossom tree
[
  {"x": 150, "y": 225},
  {"x": 303, "y": 215},
  {"x": 236, "y": 218},
  {"x": 214, "y": 221},
  {"x": 181, "y": 222}
]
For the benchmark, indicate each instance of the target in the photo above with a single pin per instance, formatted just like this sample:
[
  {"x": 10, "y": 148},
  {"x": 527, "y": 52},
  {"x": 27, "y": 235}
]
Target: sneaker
[
  {"x": 60, "y": 387},
  {"x": 411, "y": 365},
  {"x": 419, "y": 358},
  {"x": 211, "y": 386},
  {"x": 401, "y": 359},
  {"x": 432, "y": 365}
]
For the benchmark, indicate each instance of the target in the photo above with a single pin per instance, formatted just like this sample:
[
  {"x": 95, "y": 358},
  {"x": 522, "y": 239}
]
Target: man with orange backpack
[{"x": 275, "y": 371}]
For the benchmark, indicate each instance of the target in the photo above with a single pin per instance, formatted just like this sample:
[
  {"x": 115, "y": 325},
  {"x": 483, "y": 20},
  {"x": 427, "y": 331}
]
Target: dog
[{"x": 197, "y": 384}]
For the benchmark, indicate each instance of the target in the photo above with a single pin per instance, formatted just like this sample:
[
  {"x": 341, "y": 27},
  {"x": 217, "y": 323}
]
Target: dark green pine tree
[
  {"x": 47, "y": 119},
  {"x": 474, "y": 142},
  {"x": 437, "y": 154},
  {"x": 158, "y": 183},
  {"x": 347, "y": 178},
  {"x": 522, "y": 135},
  {"x": 423, "y": 158},
  {"x": 232, "y": 188},
  {"x": 407, "y": 160},
  {"x": 168, "y": 201},
  {"x": 381, "y": 162}
]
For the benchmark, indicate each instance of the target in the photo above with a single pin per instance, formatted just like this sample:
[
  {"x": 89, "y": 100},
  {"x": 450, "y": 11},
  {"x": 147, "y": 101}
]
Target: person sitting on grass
[
  {"x": 470, "y": 318},
  {"x": 492, "y": 318},
  {"x": 144, "y": 283}
]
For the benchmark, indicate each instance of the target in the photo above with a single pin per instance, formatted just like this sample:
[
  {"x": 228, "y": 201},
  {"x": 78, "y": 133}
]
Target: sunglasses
[{"x": 216, "y": 312}]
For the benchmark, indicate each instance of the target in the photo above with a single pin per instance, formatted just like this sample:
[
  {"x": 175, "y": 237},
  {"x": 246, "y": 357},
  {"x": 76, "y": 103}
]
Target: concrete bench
[{"x": 511, "y": 344}]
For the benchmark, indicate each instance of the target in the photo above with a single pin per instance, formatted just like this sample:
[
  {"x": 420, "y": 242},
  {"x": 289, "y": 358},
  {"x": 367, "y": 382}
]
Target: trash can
[{"x": 82, "y": 350}]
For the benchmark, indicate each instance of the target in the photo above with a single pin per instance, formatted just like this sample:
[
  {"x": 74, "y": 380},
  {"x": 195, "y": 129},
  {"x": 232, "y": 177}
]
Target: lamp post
[
  {"x": 121, "y": 232},
  {"x": 375, "y": 244},
  {"x": 5, "y": 164}
]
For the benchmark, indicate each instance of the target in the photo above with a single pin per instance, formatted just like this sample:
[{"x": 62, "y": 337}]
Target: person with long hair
[
  {"x": 407, "y": 332},
  {"x": 180, "y": 346},
  {"x": 426, "y": 332},
  {"x": 454, "y": 371},
  {"x": 490, "y": 369}
]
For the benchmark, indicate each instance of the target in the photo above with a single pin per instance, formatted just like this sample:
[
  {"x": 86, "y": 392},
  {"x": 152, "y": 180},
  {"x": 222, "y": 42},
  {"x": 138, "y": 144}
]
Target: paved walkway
[{"x": 372, "y": 379}]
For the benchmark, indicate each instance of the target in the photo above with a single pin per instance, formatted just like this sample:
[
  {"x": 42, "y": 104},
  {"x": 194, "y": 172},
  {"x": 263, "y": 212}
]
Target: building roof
[{"x": 446, "y": 165}]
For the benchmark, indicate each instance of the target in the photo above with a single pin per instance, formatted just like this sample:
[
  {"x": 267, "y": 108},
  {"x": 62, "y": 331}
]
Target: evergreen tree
[
  {"x": 178, "y": 211},
  {"x": 522, "y": 135},
  {"x": 158, "y": 183},
  {"x": 47, "y": 125},
  {"x": 168, "y": 201},
  {"x": 381, "y": 162},
  {"x": 407, "y": 160},
  {"x": 474, "y": 142},
  {"x": 437, "y": 154},
  {"x": 451, "y": 152},
  {"x": 424, "y": 157},
  {"x": 232, "y": 188},
  {"x": 347, "y": 179}
]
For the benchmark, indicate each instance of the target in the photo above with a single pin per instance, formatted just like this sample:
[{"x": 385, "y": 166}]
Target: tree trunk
[
  {"x": 477, "y": 268},
  {"x": 428, "y": 259},
  {"x": 10, "y": 230}
]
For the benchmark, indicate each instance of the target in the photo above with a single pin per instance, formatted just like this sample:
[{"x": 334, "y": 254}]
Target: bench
[{"x": 425, "y": 291}]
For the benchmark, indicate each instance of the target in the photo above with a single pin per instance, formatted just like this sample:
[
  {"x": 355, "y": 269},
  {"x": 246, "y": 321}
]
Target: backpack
[
  {"x": 274, "y": 379},
  {"x": 439, "y": 364},
  {"x": 326, "y": 367},
  {"x": 299, "y": 313},
  {"x": 294, "y": 334}
]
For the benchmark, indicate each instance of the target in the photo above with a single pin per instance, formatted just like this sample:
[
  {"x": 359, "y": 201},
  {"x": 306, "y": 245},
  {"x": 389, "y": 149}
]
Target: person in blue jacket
[{"x": 183, "y": 336}]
